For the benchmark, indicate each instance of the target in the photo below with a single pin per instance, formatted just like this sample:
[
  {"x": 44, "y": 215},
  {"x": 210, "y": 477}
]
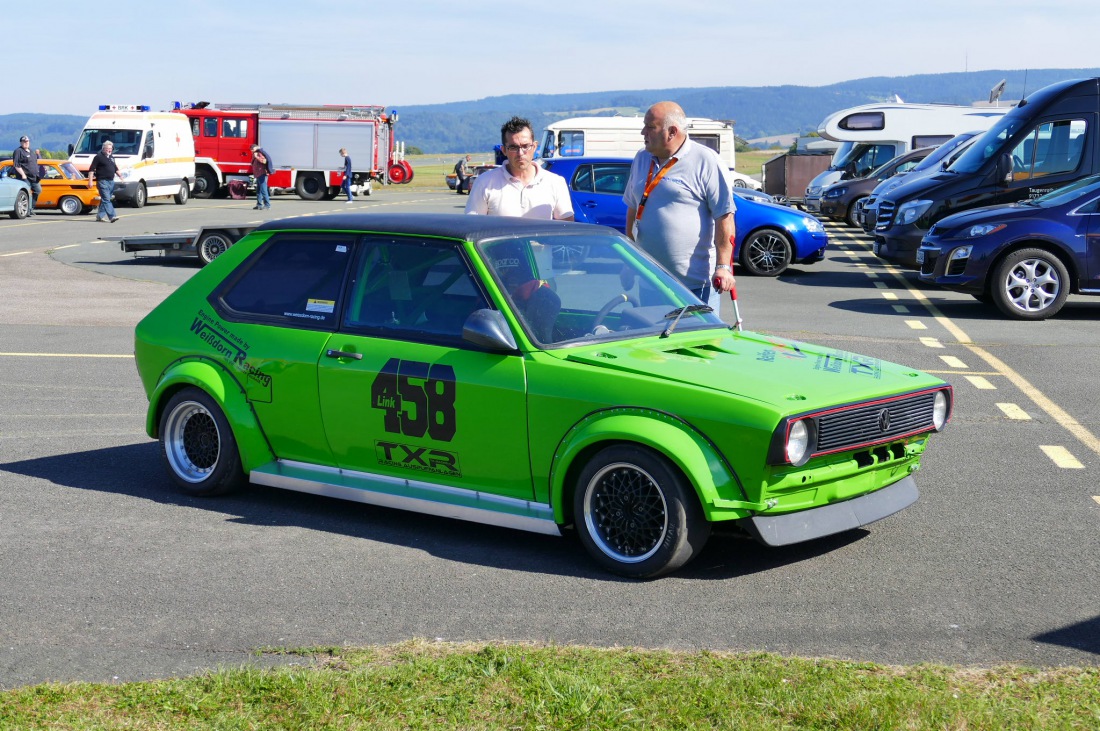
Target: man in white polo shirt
[{"x": 520, "y": 187}]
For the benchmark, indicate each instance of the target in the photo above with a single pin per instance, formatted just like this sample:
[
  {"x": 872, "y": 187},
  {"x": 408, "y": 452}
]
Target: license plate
[
  {"x": 875, "y": 248},
  {"x": 920, "y": 256}
]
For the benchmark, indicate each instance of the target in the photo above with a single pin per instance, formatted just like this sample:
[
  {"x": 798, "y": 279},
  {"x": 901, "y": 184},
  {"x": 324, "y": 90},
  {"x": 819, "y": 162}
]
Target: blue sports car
[
  {"x": 15, "y": 195},
  {"x": 1025, "y": 258},
  {"x": 770, "y": 237}
]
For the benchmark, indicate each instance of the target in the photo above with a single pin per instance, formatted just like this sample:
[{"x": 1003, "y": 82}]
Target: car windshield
[
  {"x": 951, "y": 147},
  {"x": 127, "y": 141},
  {"x": 579, "y": 288},
  {"x": 987, "y": 145}
]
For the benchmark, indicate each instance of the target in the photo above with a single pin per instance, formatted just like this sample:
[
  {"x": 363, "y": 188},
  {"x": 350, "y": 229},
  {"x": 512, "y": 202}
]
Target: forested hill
[
  {"x": 758, "y": 111},
  {"x": 472, "y": 126}
]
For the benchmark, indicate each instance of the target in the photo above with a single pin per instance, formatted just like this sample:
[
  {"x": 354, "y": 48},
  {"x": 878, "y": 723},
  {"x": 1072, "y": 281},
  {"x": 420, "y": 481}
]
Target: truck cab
[{"x": 1048, "y": 140}]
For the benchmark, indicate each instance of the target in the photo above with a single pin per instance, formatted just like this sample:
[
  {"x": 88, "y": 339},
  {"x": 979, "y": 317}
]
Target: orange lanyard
[{"x": 651, "y": 181}]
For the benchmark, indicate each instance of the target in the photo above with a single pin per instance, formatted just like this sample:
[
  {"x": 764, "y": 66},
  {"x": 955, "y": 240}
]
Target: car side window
[
  {"x": 235, "y": 128},
  {"x": 411, "y": 289},
  {"x": 295, "y": 279},
  {"x": 210, "y": 127},
  {"x": 610, "y": 178},
  {"x": 582, "y": 179},
  {"x": 1051, "y": 148}
]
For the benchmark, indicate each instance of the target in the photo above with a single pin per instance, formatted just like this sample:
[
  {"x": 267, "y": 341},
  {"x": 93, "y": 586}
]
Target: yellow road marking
[
  {"x": 1013, "y": 411},
  {"x": 16, "y": 253},
  {"x": 64, "y": 355},
  {"x": 1053, "y": 410},
  {"x": 68, "y": 246},
  {"x": 952, "y": 361},
  {"x": 981, "y": 383},
  {"x": 889, "y": 296},
  {"x": 931, "y": 342},
  {"x": 916, "y": 324},
  {"x": 1096, "y": 498},
  {"x": 1061, "y": 457}
]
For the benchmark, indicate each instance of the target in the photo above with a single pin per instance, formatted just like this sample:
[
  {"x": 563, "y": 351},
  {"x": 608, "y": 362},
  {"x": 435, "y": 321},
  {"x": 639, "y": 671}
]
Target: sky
[{"x": 434, "y": 51}]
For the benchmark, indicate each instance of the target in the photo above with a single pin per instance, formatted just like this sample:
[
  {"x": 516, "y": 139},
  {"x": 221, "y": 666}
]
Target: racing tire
[
  {"x": 183, "y": 195},
  {"x": 636, "y": 514},
  {"x": 141, "y": 195},
  {"x": 198, "y": 445},
  {"x": 206, "y": 184},
  {"x": 310, "y": 187},
  {"x": 70, "y": 205},
  {"x": 850, "y": 217},
  {"x": 22, "y": 206},
  {"x": 1030, "y": 284},
  {"x": 766, "y": 253},
  {"x": 211, "y": 245}
]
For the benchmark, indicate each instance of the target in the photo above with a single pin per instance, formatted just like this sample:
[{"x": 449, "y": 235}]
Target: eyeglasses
[{"x": 520, "y": 148}]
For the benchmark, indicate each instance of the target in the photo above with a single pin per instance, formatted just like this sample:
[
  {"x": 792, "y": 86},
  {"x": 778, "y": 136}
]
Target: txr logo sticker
[{"x": 421, "y": 459}]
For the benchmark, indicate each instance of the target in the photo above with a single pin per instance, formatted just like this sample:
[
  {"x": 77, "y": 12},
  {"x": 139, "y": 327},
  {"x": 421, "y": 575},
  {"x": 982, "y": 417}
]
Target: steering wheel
[{"x": 615, "y": 301}]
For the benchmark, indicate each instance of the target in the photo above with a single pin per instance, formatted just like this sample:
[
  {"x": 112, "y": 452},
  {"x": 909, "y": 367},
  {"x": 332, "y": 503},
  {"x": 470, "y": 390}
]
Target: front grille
[
  {"x": 885, "y": 214},
  {"x": 874, "y": 423}
]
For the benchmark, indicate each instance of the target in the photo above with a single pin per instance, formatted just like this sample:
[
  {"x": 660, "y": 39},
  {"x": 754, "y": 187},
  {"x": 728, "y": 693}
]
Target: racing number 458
[{"x": 417, "y": 398}]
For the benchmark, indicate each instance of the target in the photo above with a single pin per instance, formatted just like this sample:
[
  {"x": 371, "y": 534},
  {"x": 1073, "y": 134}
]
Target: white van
[
  {"x": 155, "y": 151},
  {"x": 872, "y": 134},
  {"x": 622, "y": 137}
]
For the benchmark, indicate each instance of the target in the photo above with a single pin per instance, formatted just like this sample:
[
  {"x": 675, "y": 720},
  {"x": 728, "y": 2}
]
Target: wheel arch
[
  {"x": 221, "y": 385},
  {"x": 1049, "y": 245},
  {"x": 716, "y": 485}
]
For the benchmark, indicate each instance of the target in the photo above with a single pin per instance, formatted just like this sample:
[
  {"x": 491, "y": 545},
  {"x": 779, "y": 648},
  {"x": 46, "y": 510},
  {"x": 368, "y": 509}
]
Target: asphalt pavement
[{"x": 110, "y": 574}]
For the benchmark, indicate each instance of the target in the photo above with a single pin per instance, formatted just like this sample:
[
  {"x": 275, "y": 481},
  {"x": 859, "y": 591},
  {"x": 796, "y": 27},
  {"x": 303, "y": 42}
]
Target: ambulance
[{"x": 155, "y": 152}]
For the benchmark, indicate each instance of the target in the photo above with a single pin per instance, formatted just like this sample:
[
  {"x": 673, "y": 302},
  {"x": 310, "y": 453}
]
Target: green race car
[{"x": 460, "y": 366}]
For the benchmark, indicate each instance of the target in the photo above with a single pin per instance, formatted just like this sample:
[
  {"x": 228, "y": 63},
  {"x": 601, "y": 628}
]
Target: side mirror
[
  {"x": 71, "y": 148},
  {"x": 1003, "y": 172},
  {"x": 488, "y": 329}
]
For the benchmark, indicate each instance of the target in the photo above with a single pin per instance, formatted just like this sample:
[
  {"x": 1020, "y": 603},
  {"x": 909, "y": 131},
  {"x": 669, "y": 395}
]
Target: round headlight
[
  {"x": 939, "y": 410},
  {"x": 798, "y": 443}
]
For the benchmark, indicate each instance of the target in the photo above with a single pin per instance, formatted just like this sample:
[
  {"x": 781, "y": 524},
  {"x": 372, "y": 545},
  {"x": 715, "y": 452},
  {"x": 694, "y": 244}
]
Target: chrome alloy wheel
[{"x": 625, "y": 512}]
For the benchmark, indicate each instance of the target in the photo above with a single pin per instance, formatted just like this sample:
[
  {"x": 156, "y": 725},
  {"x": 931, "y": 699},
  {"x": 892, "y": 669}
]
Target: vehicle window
[
  {"x": 49, "y": 172},
  {"x": 864, "y": 121},
  {"x": 209, "y": 127},
  {"x": 1051, "y": 148},
  {"x": 91, "y": 141},
  {"x": 919, "y": 141},
  {"x": 572, "y": 288},
  {"x": 582, "y": 179},
  {"x": 235, "y": 128},
  {"x": 710, "y": 141},
  {"x": 71, "y": 172},
  {"x": 571, "y": 144},
  {"x": 293, "y": 278},
  {"x": 411, "y": 289},
  {"x": 195, "y": 126},
  {"x": 906, "y": 167},
  {"x": 610, "y": 178}
]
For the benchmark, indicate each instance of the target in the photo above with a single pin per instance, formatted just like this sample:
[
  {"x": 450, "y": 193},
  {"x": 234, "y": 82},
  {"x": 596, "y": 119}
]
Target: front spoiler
[{"x": 806, "y": 525}]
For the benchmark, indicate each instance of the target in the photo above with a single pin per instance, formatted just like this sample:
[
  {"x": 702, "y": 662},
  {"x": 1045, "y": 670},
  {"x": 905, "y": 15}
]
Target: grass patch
[{"x": 421, "y": 685}]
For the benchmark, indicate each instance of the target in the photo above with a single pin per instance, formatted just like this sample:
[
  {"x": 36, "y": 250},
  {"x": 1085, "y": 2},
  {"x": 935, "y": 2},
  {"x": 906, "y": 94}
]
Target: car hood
[
  {"x": 792, "y": 376},
  {"x": 1005, "y": 212}
]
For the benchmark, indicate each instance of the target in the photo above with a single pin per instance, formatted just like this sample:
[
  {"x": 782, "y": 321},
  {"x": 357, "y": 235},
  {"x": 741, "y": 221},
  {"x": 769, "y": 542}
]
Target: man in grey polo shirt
[{"x": 679, "y": 205}]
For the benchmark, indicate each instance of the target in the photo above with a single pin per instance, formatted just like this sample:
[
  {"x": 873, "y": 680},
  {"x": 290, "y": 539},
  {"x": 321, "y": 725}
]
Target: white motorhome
[
  {"x": 871, "y": 134},
  {"x": 155, "y": 151},
  {"x": 622, "y": 137}
]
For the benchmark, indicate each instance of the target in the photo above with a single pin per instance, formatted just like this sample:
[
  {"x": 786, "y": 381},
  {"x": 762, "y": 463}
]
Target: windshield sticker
[
  {"x": 422, "y": 459},
  {"x": 320, "y": 305}
]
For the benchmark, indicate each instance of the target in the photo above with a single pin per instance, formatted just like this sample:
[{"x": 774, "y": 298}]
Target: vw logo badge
[{"x": 884, "y": 420}]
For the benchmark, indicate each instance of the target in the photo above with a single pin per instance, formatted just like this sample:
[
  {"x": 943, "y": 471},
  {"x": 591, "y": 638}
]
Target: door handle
[
  {"x": 589, "y": 204},
  {"x": 343, "y": 354}
]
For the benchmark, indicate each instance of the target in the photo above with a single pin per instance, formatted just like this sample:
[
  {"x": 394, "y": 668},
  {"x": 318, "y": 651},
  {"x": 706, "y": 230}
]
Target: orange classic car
[{"x": 63, "y": 187}]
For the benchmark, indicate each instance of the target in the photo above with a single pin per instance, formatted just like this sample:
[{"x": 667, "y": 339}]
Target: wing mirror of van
[{"x": 1003, "y": 172}]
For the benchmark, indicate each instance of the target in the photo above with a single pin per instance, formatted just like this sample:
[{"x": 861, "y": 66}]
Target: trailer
[
  {"x": 206, "y": 243},
  {"x": 303, "y": 142}
]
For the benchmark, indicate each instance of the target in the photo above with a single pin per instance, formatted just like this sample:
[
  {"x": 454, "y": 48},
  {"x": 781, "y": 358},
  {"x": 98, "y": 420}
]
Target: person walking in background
[
  {"x": 261, "y": 167},
  {"x": 24, "y": 161},
  {"x": 520, "y": 187},
  {"x": 345, "y": 182},
  {"x": 102, "y": 173},
  {"x": 462, "y": 172},
  {"x": 679, "y": 205}
]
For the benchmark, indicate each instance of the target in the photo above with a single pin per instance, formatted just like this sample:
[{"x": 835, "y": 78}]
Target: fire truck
[{"x": 303, "y": 142}]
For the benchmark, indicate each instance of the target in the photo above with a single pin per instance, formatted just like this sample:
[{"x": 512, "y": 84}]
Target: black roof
[{"x": 446, "y": 225}]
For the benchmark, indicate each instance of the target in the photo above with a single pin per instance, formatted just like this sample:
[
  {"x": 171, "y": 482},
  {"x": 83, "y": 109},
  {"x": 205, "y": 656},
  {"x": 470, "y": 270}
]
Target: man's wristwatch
[{"x": 723, "y": 266}]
